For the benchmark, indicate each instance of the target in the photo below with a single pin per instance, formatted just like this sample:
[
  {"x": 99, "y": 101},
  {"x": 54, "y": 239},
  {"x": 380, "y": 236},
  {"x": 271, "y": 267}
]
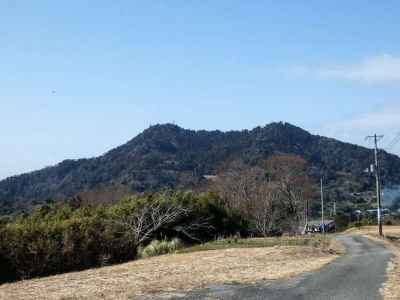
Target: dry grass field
[
  {"x": 373, "y": 230},
  {"x": 166, "y": 275},
  {"x": 391, "y": 289}
]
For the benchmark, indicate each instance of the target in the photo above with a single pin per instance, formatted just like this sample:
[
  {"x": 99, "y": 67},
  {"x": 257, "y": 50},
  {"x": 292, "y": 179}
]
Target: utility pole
[
  {"x": 322, "y": 207},
  {"x": 305, "y": 216},
  {"x": 378, "y": 180},
  {"x": 334, "y": 207},
  {"x": 305, "y": 213}
]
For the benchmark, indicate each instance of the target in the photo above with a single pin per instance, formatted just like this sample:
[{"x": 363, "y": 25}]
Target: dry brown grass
[
  {"x": 373, "y": 230},
  {"x": 165, "y": 275},
  {"x": 391, "y": 289}
]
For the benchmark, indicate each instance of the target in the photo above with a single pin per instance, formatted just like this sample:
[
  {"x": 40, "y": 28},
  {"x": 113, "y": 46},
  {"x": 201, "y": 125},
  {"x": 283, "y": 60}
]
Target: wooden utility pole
[
  {"x": 306, "y": 212},
  {"x": 378, "y": 180},
  {"x": 322, "y": 207},
  {"x": 334, "y": 208}
]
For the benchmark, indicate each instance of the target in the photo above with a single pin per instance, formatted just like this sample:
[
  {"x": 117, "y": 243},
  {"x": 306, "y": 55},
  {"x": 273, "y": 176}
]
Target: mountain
[{"x": 167, "y": 156}]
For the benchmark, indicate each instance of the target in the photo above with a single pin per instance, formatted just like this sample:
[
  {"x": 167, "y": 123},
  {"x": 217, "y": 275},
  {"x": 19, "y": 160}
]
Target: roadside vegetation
[
  {"x": 156, "y": 248},
  {"x": 391, "y": 289},
  {"x": 243, "y": 201},
  {"x": 320, "y": 242},
  {"x": 60, "y": 238}
]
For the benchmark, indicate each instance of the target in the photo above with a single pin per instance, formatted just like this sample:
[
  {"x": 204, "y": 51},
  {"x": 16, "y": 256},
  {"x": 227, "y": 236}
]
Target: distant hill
[{"x": 167, "y": 156}]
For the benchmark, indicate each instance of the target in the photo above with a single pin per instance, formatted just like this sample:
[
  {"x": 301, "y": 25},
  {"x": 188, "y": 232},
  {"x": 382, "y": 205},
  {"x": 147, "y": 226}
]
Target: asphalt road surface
[{"x": 359, "y": 274}]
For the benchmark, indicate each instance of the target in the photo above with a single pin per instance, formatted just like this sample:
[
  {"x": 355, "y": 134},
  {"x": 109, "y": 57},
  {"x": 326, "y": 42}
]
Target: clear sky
[{"x": 78, "y": 78}]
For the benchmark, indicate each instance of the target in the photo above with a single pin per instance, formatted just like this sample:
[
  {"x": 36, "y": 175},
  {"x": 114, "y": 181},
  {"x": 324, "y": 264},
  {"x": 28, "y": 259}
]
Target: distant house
[{"x": 373, "y": 212}]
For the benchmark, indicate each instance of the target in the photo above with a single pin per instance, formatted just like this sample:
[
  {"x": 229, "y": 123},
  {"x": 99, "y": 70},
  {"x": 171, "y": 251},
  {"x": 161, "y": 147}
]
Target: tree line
[{"x": 242, "y": 200}]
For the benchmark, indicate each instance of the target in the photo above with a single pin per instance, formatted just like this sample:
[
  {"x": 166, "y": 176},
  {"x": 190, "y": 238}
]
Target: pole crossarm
[{"x": 378, "y": 137}]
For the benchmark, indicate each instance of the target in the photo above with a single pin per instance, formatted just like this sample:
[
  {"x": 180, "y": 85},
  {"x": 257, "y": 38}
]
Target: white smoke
[{"x": 390, "y": 195}]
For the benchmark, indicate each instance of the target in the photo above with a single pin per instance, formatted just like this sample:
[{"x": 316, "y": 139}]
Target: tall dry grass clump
[{"x": 157, "y": 247}]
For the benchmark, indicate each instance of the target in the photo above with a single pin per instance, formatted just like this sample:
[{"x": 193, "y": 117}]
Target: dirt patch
[{"x": 164, "y": 275}]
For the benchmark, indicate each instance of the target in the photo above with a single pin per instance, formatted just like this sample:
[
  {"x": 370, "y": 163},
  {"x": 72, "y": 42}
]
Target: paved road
[{"x": 359, "y": 274}]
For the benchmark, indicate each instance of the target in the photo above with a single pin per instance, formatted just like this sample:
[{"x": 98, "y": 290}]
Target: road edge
[{"x": 390, "y": 289}]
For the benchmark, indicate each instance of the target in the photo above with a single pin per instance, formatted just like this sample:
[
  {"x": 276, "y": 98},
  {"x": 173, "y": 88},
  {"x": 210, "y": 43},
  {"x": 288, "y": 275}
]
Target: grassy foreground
[{"x": 227, "y": 261}]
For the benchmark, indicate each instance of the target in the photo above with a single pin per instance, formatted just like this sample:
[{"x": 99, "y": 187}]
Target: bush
[
  {"x": 59, "y": 238},
  {"x": 157, "y": 247}
]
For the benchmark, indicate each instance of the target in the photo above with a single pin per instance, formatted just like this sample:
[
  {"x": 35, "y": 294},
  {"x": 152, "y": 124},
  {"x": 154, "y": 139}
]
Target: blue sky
[{"x": 81, "y": 77}]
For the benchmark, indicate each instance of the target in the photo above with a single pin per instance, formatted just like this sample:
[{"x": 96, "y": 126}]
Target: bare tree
[
  {"x": 247, "y": 190},
  {"x": 269, "y": 198},
  {"x": 288, "y": 173},
  {"x": 191, "y": 229},
  {"x": 265, "y": 211},
  {"x": 142, "y": 222},
  {"x": 238, "y": 186}
]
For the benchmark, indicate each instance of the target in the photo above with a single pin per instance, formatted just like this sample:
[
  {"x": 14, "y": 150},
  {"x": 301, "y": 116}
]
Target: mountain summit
[{"x": 168, "y": 156}]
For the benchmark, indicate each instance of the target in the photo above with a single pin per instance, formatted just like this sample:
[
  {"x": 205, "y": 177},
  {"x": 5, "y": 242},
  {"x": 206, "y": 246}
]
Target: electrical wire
[{"x": 393, "y": 143}]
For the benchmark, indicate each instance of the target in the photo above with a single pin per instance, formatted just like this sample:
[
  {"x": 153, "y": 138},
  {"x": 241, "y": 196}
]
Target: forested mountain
[{"x": 167, "y": 156}]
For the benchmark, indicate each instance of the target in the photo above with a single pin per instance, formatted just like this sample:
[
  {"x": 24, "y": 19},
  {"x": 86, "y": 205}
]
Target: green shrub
[
  {"x": 58, "y": 238},
  {"x": 157, "y": 247}
]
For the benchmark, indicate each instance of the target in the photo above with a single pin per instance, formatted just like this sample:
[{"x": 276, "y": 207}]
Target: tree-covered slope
[{"x": 167, "y": 156}]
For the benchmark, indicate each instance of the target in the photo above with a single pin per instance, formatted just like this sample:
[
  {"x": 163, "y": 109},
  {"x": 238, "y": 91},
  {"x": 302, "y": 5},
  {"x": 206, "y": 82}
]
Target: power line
[{"x": 393, "y": 143}]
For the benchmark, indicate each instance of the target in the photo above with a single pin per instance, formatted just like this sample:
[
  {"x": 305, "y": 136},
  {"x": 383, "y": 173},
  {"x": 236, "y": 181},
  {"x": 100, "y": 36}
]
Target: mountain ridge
[{"x": 168, "y": 156}]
